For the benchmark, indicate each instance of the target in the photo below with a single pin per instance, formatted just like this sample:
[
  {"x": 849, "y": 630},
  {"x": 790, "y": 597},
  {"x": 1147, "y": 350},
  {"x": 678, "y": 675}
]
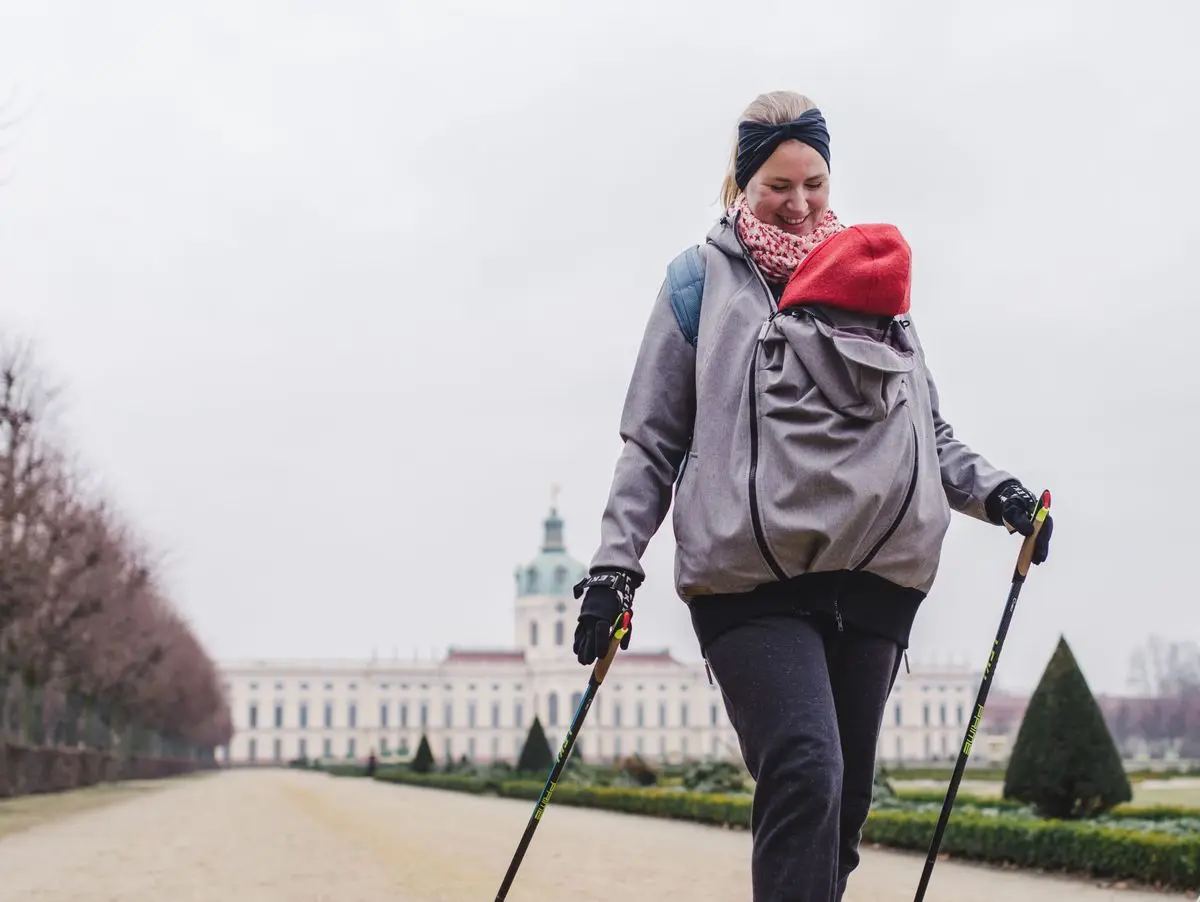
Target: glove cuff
[
  {"x": 994, "y": 505},
  {"x": 617, "y": 580}
]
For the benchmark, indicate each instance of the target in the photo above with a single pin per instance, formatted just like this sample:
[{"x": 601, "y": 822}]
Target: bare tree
[
  {"x": 83, "y": 566},
  {"x": 1166, "y": 674},
  {"x": 1164, "y": 667},
  {"x": 27, "y": 470}
]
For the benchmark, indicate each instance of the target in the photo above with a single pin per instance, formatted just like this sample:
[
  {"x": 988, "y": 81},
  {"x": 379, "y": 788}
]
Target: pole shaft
[
  {"x": 1020, "y": 571},
  {"x": 599, "y": 671},
  {"x": 548, "y": 789},
  {"x": 969, "y": 739}
]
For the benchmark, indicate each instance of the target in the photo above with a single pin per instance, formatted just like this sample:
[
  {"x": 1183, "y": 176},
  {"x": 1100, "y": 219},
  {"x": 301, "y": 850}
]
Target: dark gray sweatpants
[{"x": 807, "y": 703}]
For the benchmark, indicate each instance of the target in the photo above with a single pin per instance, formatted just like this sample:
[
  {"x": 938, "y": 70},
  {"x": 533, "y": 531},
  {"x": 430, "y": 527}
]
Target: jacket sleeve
[
  {"x": 656, "y": 428},
  {"x": 967, "y": 476}
]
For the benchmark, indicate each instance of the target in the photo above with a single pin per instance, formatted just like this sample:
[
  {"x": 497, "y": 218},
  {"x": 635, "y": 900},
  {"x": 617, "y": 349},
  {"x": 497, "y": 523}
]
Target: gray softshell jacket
[{"x": 809, "y": 440}]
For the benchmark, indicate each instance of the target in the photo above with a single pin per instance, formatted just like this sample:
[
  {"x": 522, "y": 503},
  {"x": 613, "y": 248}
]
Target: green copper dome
[{"x": 553, "y": 571}]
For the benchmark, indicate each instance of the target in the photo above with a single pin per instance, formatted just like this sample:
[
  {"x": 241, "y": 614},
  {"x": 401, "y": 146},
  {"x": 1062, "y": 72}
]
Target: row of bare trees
[
  {"x": 91, "y": 651},
  {"x": 1164, "y": 709},
  {"x": 1171, "y": 721}
]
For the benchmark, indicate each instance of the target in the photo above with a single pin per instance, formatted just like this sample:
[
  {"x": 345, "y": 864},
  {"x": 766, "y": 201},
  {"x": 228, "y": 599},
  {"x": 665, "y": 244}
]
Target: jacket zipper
[
  {"x": 895, "y": 524},
  {"x": 752, "y": 383},
  {"x": 755, "y": 513}
]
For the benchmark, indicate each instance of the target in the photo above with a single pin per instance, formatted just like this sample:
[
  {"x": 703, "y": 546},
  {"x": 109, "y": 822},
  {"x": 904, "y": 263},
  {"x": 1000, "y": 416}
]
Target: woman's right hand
[{"x": 604, "y": 597}]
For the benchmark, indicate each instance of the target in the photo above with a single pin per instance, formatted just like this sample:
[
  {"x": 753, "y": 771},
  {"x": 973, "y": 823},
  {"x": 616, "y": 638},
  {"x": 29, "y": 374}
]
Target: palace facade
[{"x": 480, "y": 702}]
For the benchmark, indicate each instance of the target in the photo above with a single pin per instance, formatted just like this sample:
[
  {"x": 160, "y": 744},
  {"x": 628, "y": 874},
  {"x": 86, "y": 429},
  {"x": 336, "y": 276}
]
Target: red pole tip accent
[{"x": 1046, "y": 498}]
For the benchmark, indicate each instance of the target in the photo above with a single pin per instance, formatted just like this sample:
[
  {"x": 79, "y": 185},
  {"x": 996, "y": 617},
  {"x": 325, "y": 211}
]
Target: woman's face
[{"x": 791, "y": 189}]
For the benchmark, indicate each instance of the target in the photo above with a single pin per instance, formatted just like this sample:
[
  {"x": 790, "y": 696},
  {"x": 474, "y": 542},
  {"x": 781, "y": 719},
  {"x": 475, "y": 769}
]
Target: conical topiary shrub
[
  {"x": 536, "y": 757},
  {"x": 422, "y": 762},
  {"x": 1064, "y": 762}
]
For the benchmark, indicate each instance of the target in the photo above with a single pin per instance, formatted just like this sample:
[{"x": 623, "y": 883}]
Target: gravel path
[{"x": 289, "y": 836}]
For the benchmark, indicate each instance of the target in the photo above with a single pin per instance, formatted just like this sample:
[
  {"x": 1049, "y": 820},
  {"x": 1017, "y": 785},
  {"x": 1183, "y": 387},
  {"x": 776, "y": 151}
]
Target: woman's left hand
[{"x": 1016, "y": 505}]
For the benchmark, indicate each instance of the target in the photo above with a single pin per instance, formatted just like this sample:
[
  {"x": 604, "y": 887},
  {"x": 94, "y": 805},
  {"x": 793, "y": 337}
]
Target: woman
[{"x": 816, "y": 478}]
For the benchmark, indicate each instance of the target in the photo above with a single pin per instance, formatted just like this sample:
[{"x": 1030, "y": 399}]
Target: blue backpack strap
[{"x": 685, "y": 285}]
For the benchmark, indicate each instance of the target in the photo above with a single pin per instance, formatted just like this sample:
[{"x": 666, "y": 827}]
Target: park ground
[{"x": 297, "y": 836}]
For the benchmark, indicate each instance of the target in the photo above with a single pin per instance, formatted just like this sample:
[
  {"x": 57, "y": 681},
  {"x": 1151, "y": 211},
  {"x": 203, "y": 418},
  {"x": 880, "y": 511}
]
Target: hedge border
[
  {"x": 1086, "y": 849},
  {"x": 990, "y": 773},
  {"x": 968, "y": 800},
  {"x": 41, "y": 770}
]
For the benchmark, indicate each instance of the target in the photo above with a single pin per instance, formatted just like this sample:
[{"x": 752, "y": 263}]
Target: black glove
[
  {"x": 1012, "y": 504},
  {"x": 608, "y": 592}
]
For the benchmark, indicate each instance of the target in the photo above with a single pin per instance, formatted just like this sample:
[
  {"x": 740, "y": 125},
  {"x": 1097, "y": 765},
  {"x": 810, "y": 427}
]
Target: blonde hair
[{"x": 772, "y": 108}]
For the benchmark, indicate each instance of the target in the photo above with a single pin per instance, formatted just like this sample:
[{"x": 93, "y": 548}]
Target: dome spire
[
  {"x": 553, "y": 540},
  {"x": 553, "y": 571}
]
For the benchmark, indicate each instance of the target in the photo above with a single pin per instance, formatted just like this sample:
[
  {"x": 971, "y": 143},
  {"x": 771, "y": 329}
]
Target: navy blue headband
[{"x": 757, "y": 141}]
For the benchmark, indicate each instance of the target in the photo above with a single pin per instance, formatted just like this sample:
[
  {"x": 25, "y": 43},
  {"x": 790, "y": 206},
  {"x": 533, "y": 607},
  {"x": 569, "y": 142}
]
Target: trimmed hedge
[
  {"x": 1153, "y": 813},
  {"x": 963, "y": 799},
  {"x": 993, "y": 773},
  {"x": 972, "y": 772},
  {"x": 342, "y": 770},
  {"x": 727, "y": 810},
  {"x": 704, "y": 808},
  {"x": 1103, "y": 850},
  {"x": 1125, "y": 811},
  {"x": 456, "y": 782},
  {"x": 1069, "y": 846},
  {"x": 26, "y": 770}
]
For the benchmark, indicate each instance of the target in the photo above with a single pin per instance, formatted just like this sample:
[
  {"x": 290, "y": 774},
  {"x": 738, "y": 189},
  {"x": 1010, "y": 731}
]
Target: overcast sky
[{"x": 337, "y": 296}]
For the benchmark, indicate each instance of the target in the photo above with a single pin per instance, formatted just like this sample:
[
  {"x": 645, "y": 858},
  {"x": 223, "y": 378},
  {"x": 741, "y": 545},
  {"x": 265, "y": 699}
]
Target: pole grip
[
  {"x": 1025, "y": 557},
  {"x": 620, "y": 628}
]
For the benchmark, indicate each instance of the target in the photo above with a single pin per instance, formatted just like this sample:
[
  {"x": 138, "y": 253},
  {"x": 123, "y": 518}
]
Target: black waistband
[{"x": 860, "y": 600}]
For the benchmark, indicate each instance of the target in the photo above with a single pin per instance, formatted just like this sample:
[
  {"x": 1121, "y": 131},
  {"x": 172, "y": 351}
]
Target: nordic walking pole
[
  {"x": 599, "y": 670},
  {"x": 1024, "y": 559}
]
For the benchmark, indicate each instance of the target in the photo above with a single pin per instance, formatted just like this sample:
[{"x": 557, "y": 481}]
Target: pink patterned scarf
[{"x": 777, "y": 252}]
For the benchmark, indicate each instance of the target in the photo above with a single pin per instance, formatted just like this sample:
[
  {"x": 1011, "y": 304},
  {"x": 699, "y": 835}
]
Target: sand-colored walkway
[{"x": 280, "y": 836}]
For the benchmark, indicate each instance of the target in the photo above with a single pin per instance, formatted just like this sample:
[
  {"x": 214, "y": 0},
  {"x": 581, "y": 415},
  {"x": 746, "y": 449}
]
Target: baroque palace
[{"x": 480, "y": 702}]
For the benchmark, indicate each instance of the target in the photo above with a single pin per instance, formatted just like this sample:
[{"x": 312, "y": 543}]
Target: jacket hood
[
  {"x": 723, "y": 236},
  {"x": 865, "y": 268}
]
